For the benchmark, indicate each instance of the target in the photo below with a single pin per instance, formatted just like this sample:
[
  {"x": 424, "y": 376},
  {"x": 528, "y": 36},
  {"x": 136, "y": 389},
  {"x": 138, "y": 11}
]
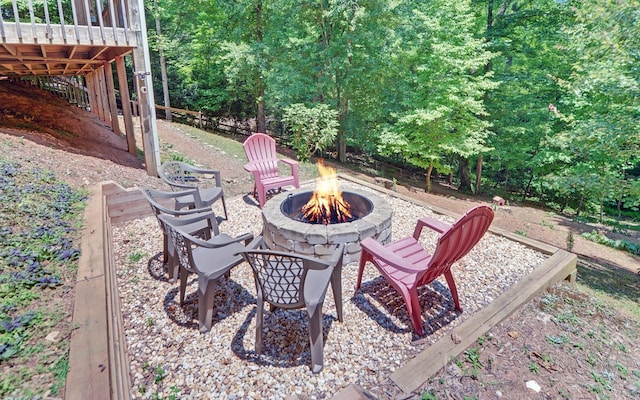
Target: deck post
[
  {"x": 123, "y": 87},
  {"x": 144, "y": 85},
  {"x": 91, "y": 92},
  {"x": 100, "y": 94},
  {"x": 111, "y": 95}
]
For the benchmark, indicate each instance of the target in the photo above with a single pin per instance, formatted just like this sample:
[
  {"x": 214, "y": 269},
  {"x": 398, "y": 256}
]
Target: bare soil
[{"x": 569, "y": 343}]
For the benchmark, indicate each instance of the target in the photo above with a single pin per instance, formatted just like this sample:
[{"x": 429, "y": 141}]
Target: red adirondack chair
[
  {"x": 263, "y": 162},
  {"x": 406, "y": 265}
]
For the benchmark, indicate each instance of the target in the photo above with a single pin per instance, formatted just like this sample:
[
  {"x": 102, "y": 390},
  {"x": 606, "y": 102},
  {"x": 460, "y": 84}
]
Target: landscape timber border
[{"x": 98, "y": 359}]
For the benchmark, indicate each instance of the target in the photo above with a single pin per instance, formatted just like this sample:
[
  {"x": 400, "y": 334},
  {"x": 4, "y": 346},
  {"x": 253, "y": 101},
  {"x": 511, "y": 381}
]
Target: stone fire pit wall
[{"x": 285, "y": 234}]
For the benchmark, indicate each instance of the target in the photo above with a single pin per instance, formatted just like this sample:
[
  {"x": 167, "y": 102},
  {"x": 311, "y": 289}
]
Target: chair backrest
[
  {"x": 260, "y": 150},
  {"x": 178, "y": 241},
  {"x": 456, "y": 242},
  {"x": 178, "y": 175},
  {"x": 161, "y": 201},
  {"x": 182, "y": 241},
  {"x": 280, "y": 277}
]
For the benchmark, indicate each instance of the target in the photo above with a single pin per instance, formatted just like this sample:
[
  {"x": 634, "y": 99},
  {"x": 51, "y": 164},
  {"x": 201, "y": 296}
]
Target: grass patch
[{"x": 234, "y": 148}]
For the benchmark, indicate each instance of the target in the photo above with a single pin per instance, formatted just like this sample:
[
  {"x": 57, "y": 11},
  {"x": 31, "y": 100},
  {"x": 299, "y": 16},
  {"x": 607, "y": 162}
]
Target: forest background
[{"x": 533, "y": 100}]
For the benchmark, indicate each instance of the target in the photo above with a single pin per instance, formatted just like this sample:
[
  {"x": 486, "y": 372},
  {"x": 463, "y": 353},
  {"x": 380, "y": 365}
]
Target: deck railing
[{"x": 65, "y": 21}]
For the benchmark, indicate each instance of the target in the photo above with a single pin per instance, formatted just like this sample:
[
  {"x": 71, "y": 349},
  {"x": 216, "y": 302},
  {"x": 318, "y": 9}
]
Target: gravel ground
[{"x": 169, "y": 356}]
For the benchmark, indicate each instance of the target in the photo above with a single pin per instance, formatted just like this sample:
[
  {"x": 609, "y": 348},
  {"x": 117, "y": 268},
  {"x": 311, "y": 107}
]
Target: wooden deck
[
  {"x": 52, "y": 39},
  {"x": 98, "y": 361}
]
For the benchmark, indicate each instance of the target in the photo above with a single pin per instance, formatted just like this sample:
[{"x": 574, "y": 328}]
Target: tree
[
  {"x": 443, "y": 110},
  {"x": 531, "y": 56},
  {"x": 332, "y": 52},
  {"x": 313, "y": 128},
  {"x": 601, "y": 100}
]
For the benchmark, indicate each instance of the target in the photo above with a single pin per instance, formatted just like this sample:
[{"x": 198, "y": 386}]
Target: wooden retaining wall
[{"x": 98, "y": 360}]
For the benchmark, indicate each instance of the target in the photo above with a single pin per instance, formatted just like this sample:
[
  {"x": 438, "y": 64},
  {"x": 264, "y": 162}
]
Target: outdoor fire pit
[{"x": 311, "y": 222}]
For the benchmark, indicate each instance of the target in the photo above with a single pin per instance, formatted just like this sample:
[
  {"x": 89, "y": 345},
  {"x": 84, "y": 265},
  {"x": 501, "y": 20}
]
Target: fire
[{"x": 326, "y": 205}]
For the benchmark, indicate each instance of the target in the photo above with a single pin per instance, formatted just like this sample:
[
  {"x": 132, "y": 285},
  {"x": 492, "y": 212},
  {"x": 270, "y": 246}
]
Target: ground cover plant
[
  {"x": 39, "y": 222},
  {"x": 571, "y": 342}
]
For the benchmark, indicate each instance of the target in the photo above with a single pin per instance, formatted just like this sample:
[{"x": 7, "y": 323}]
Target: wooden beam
[
  {"x": 99, "y": 85},
  {"x": 123, "y": 86},
  {"x": 144, "y": 85},
  {"x": 111, "y": 97},
  {"x": 88, "y": 376},
  {"x": 91, "y": 91}
]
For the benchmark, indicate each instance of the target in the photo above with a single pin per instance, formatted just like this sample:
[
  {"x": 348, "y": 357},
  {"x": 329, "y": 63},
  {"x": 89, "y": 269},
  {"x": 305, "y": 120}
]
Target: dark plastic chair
[
  {"x": 208, "y": 259},
  {"x": 406, "y": 266},
  {"x": 293, "y": 281},
  {"x": 165, "y": 203},
  {"x": 260, "y": 150},
  {"x": 181, "y": 176}
]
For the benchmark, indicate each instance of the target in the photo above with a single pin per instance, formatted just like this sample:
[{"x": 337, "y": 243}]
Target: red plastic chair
[
  {"x": 406, "y": 266},
  {"x": 263, "y": 162}
]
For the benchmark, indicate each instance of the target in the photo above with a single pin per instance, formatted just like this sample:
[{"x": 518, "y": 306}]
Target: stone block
[
  {"x": 316, "y": 234},
  {"x": 304, "y": 248},
  {"x": 342, "y": 233},
  {"x": 385, "y": 236}
]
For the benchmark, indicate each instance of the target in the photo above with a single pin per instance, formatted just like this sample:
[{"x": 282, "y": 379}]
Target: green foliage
[
  {"x": 313, "y": 128},
  {"x": 545, "y": 91},
  {"x": 39, "y": 219},
  {"x": 624, "y": 245},
  {"x": 443, "y": 112}
]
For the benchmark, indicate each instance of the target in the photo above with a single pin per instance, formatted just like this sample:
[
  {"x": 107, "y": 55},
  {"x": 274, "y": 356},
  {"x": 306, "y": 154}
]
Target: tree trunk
[
  {"x": 478, "y": 173},
  {"x": 342, "y": 142},
  {"x": 580, "y": 204},
  {"x": 464, "y": 175},
  {"x": 428, "y": 179},
  {"x": 528, "y": 188}
]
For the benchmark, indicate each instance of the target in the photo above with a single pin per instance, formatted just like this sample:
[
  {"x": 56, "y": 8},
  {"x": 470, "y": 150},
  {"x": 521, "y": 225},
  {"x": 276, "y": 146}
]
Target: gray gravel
[{"x": 168, "y": 355}]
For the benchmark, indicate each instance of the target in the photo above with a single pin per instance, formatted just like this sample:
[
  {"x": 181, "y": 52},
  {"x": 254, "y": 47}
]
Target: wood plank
[
  {"x": 88, "y": 375},
  {"x": 417, "y": 371},
  {"x": 91, "y": 244},
  {"x": 119, "y": 365},
  {"x": 111, "y": 98},
  {"x": 123, "y": 85}
]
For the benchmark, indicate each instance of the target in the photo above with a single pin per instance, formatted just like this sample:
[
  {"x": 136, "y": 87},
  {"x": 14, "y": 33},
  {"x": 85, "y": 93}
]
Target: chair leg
[
  {"x": 454, "y": 291},
  {"x": 415, "y": 311},
  {"x": 173, "y": 268},
  {"x": 224, "y": 207},
  {"x": 165, "y": 248},
  {"x": 171, "y": 261},
  {"x": 364, "y": 257},
  {"x": 259, "y": 322},
  {"x": 336, "y": 288},
  {"x": 205, "y": 306},
  {"x": 262, "y": 197},
  {"x": 315, "y": 338},
  {"x": 184, "y": 274}
]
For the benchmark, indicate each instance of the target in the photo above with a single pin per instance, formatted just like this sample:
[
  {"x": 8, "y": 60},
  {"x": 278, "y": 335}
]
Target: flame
[{"x": 326, "y": 204}]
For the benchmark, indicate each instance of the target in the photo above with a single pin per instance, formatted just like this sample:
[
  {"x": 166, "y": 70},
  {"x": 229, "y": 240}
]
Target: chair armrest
[
  {"x": 202, "y": 243},
  {"x": 288, "y": 161},
  {"x": 254, "y": 243},
  {"x": 214, "y": 172},
  {"x": 250, "y": 167},
  {"x": 379, "y": 251},
  {"x": 433, "y": 224}
]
